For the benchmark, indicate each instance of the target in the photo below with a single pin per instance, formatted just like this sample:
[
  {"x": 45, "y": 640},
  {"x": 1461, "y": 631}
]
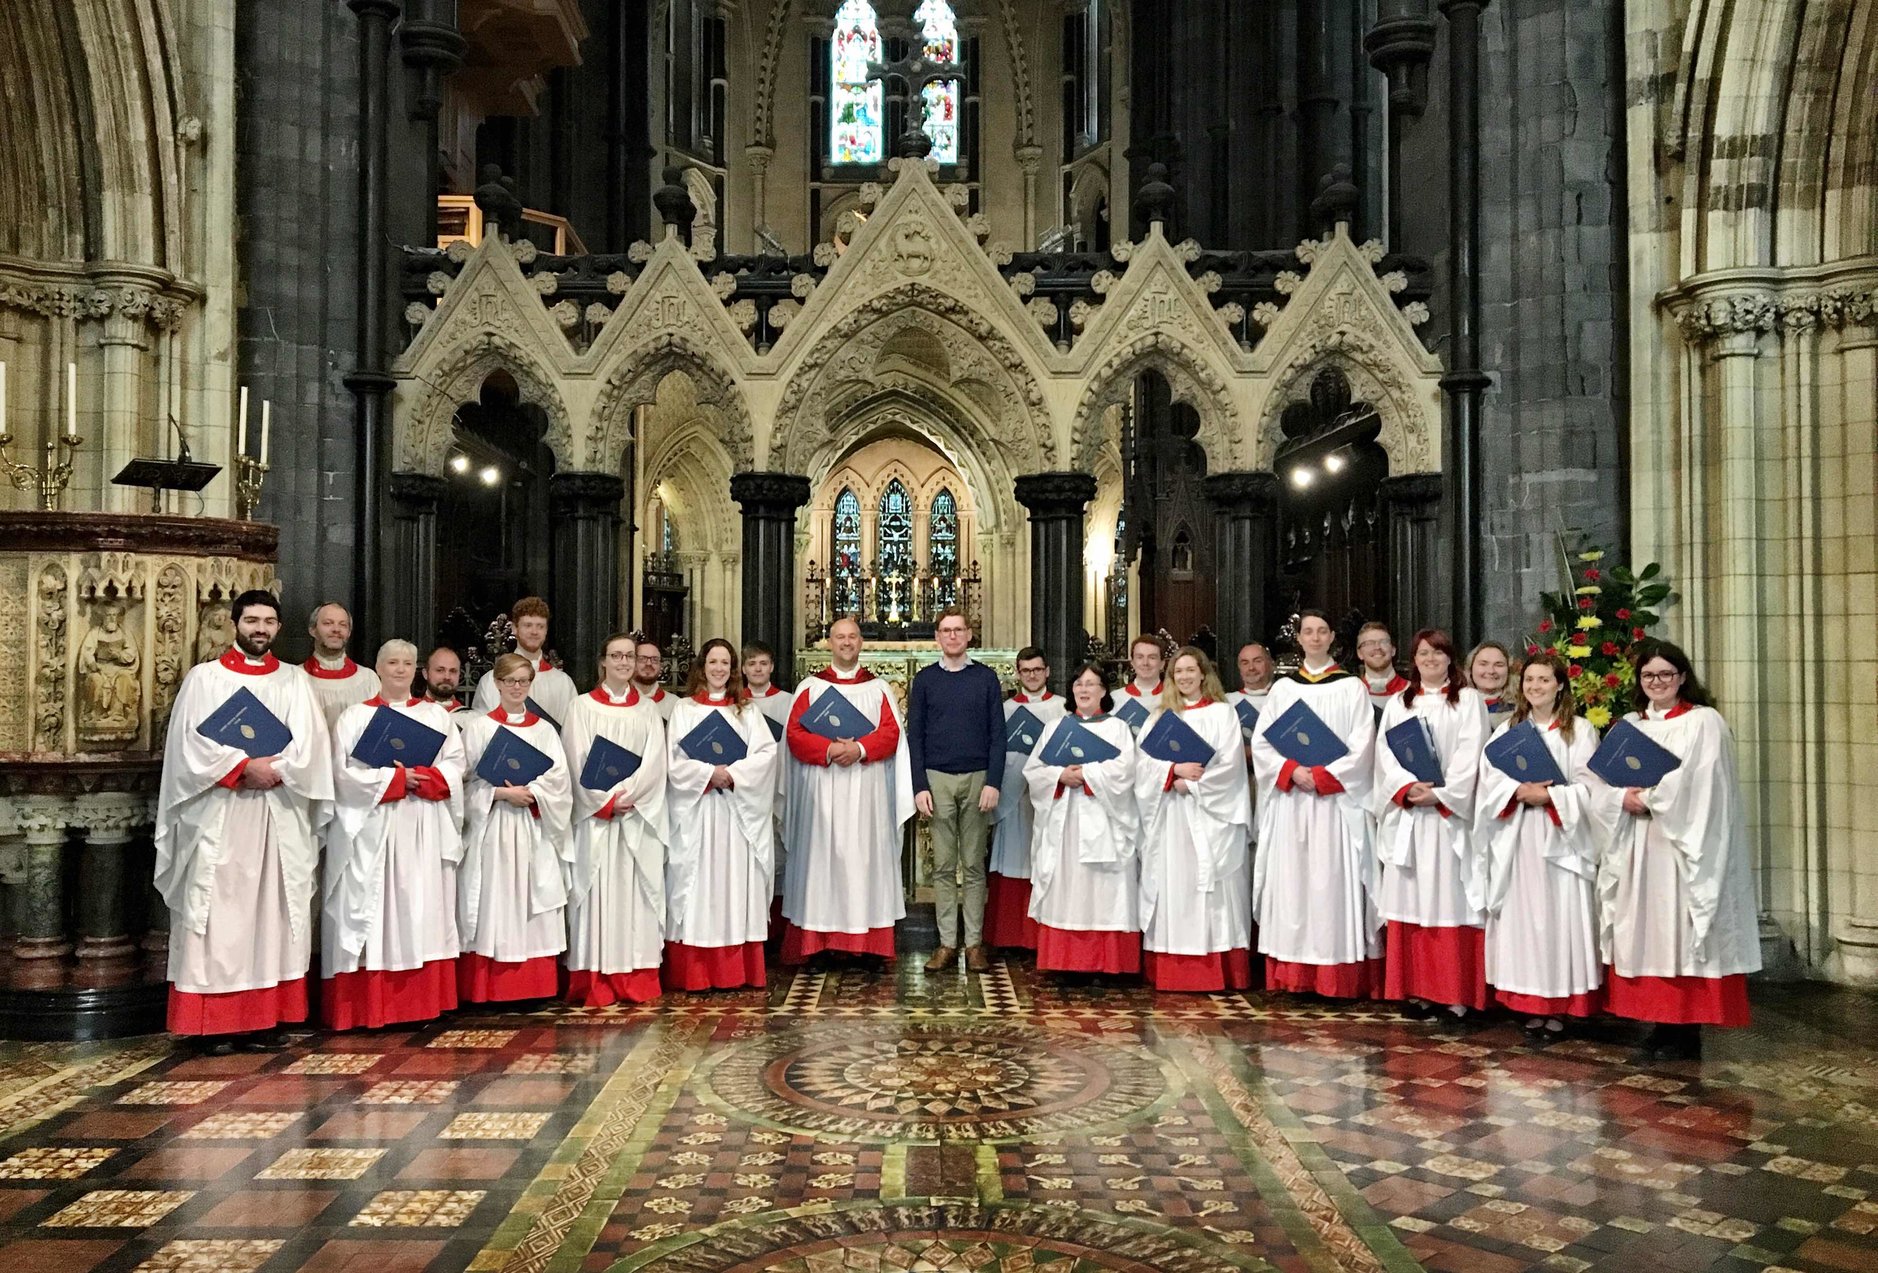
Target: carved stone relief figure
[
  {"x": 214, "y": 632},
  {"x": 110, "y": 690},
  {"x": 49, "y": 702}
]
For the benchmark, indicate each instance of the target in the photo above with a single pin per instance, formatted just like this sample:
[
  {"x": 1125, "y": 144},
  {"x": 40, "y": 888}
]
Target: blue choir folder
[
  {"x": 1074, "y": 743},
  {"x": 1248, "y": 717},
  {"x": 1132, "y": 711},
  {"x": 1300, "y": 735},
  {"x": 714, "y": 741},
  {"x": 535, "y": 707},
  {"x": 511, "y": 758},
  {"x": 836, "y": 719},
  {"x": 1414, "y": 746},
  {"x": 775, "y": 727},
  {"x": 1521, "y": 754},
  {"x": 392, "y": 738},
  {"x": 608, "y": 765},
  {"x": 247, "y": 726},
  {"x": 1173, "y": 740},
  {"x": 1022, "y": 731},
  {"x": 1628, "y": 757}
]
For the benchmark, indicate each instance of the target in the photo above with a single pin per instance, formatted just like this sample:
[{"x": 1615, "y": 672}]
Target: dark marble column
[
  {"x": 106, "y": 950},
  {"x": 1411, "y": 512},
  {"x": 40, "y": 944},
  {"x": 1056, "y": 502},
  {"x": 1465, "y": 382},
  {"x": 408, "y": 593},
  {"x": 586, "y": 567},
  {"x": 769, "y": 502},
  {"x": 1245, "y": 526}
]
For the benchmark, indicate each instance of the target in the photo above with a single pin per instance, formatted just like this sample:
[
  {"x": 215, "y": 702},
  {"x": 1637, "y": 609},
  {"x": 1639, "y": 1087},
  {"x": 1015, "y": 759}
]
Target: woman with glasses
[
  {"x": 1679, "y": 920},
  {"x": 510, "y": 894}
]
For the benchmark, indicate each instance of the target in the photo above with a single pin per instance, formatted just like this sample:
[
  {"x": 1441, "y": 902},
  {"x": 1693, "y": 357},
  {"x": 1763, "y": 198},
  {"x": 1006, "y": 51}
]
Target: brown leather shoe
[
  {"x": 942, "y": 959},
  {"x": 976, "y": 960}
]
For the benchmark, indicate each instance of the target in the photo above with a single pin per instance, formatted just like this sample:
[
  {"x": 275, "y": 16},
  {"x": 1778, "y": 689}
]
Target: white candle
[
  {"x": 267, "y": 412},
  {"x": 241, "y": 427},
  {"x": 3, "y": 398},
  {"x": 71, "y": 400}
]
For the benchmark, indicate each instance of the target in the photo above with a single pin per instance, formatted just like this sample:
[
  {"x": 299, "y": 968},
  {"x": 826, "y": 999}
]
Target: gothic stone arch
[
  {"x": 1187, "y": 375},
  {"x": 635, "y": 382},
  {"x": 423, "y": 445}
]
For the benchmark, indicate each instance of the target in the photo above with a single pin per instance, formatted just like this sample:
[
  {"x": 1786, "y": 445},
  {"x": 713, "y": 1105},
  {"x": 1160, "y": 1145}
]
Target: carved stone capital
[
  {"x": 1059, "y": 494},
  {"x": 111, "y": 817},
  {"x": 1243, "y": 494},
  {"x": 418, "y": 492},
  {"x": 771, "y": 494},
  {"x": 578, "y": 492},
  {"x": 42, "y": 820}
]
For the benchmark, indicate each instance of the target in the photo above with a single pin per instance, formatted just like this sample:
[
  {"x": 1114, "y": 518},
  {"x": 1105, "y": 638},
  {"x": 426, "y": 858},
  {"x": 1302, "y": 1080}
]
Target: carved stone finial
[
  {"x": 1156, "y": 197},
  {"x": 914, "y": 143},
  {"x": 1336, "y": 199},
  {"x": 501, "y": 206},
  {"x": 674, "y": 202}
]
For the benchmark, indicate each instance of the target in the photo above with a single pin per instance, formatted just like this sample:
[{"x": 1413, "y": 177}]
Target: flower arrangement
[{"x": 1595, "y": 624}]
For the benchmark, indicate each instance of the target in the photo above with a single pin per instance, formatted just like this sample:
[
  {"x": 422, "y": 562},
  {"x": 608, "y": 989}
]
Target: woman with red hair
[{"x": 1433, "y": 885}]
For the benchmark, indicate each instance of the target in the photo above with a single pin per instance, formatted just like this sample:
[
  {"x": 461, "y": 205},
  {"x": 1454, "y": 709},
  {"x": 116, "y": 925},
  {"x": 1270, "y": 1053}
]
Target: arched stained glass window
[
  {"x": 668, "y": 531},
  {"x": 940, "y": 100},
  {"x": 942, "y": 553},
  {"x": 847, "y": 564},
  {"x": 893, "y": 552},
  {"x": 857, "y": 122}
]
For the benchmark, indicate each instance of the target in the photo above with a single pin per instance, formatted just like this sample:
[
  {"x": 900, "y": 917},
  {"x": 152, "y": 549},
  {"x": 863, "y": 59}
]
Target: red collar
[
  {"x": 1683, "y": 707},
  {"x": 1205, "y": 702},
  {"x": 340, "y": 673},
  {"x": 543, "y": 666},
  {"x": 658, "y": 693},
  {"x": 235, "y": 661},
  {"x": 501, "y": 717},
  {"x": 1020, "y": 697},
  {"x": 861, "y": 674},
  {"x": 1397, "y": 683},
  {"x": 599, "y": 695},
  {"x": 1156, "y": 691},
  {"x": 378, "y": 700},
  {"x": 771, "y": 691}
]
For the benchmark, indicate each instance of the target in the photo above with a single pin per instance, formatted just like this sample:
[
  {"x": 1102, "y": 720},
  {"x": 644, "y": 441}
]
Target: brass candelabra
[
  {"x": 250, "y": 473},
  {"x": 51, "y": 479}
]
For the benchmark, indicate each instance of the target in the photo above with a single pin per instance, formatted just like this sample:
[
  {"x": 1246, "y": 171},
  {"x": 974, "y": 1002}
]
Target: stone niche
[{"x": 102, "y": 615}]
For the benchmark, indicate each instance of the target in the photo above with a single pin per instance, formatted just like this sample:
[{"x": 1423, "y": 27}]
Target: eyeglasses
[
  {"x": 516, "y": 680},
  {"x": 1658, "y": 676}
]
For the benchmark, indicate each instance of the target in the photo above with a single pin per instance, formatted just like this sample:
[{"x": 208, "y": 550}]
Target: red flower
[
  {"x": 1545, "y": 625},
  {"x": 1623, "y": 614},
  {"x": 1611, "y": 680},
  {"x": 1585, "y": 603},
  {"x": 1574, "y": 670},
  {"x": 1531, "y": 650},
  {"x": 1609, "y": 647},
  {"x": 1636, "y": 634},
  {"x": 1593, "y": 575}
]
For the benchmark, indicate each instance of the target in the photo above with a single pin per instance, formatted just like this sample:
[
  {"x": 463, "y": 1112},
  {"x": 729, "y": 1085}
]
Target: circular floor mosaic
[{"x": 899, "y": 1081}]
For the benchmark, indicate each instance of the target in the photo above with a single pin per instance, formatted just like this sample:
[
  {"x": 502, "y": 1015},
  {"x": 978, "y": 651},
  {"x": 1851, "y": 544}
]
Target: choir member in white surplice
[
  {"x": 1313, "y": 882},
  {"x": 1085, "y": 861},
  {"x": 237, "y": 853},
  {"x": 717, "y": 877},
  {"x": 616, "y": 862},
  {"x": 337, "y": 681},
  {"x": 1147, "y": 665},
  {"x": 1433, "y": 879},
  {"x": 648, "y": 673},
  {"x": 847, "y": 804},
  {"x": 1196, "y": 887},
  {"x": 1375, "y": 651},
  {"x": 553, "y": 690},
  {"x": 510, "y": 891},
  {"x": 759, "y": 671},
  {"x": 1008, "y": 870},
  {"x": 1676, "y": 894},
  {"x": 388, "y": 937},
  {"x": 443, "y": 673},
  {"x": 1542, "y": 863},
  {"x": 1489, "y": 669}
]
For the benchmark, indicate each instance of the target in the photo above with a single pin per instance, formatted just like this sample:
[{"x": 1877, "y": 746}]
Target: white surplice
[
  {"x": 775, "y": 703},
  {"x": 1541, "y": 883},
  {"x": 1011, "y": 831},
  {"x": 237, "y": 867},
  {"x": 390, "y": 869},
  {"x": 510, "y": 893},
  {"x": 1676, "y": 889},
  {"x": 843, "y": 823},
  {"x": 1314, "y": 876},
  {"x": 718, "y": 873},
  {"x": 616, "y": 866},
  {"x": 1195, "y": 877},
  {"x": 338, "y": 685},
  {"x": 1085, "y": 852},
  {"x": 1431, "y": 874},
  {"x": 553, "y": 690}
]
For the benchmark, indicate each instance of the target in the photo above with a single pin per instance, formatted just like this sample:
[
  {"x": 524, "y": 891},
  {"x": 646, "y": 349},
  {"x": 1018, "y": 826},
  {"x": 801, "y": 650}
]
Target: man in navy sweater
[{"x": 955, "y": 739}]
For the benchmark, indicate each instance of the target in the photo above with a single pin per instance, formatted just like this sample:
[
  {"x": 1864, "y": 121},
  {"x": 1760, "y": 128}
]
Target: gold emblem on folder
[
  {"x": 1076, "y": 752},
  {"x": 1173, "y": 744},
  {"x": 247, "y": 731},
  {"x": 717, "y": 749},
  {"x": 515, "y": 764},
  {"x": 1304, "y": 739},
  {"x": 834, "y": 720},
  {"x": 1521, "y": 762},
  {"x": 397, "y": 744},
  {"x": 1633, "y": 762}
]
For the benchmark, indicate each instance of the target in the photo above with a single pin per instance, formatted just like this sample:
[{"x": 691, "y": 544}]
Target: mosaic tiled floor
[{"x": 855, "y": 1121}]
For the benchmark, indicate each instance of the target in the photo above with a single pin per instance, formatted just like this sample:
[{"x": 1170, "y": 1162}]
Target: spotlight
[
  {"x": 490, "y": 475},
  {"x": 1333, "y": 463},
  {"x": 1301, "y": 477},
  {"x": 459, "y": 463}
]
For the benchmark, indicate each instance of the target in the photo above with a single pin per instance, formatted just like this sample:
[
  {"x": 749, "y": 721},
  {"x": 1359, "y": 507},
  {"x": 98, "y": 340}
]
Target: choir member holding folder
[
  {"x": 247, "y": 785},
  {"x": 389, "y": 937},
  {"x": 1433, "y": 882},
  {"x": 721, "y": 805},
  {"x": 1027, "y": 714},
  {"x": 615, "y": 746},
  {"x": 1083, "y": 890},
  {"x": 1312, "y": 757},
  {"x": 1196, "y": 813},
  {"x": 1532, "y": 823},
  {"x": 1676, "y": 893},
  {"x": 510, "y": 893}
]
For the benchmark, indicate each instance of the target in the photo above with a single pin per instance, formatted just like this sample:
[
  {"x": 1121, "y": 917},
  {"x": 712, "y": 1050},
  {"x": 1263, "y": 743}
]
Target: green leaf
[{"x": 1651, "y": 571}]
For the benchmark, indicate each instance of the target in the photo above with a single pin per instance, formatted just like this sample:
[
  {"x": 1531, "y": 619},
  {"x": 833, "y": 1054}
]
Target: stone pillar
[
  {"x": 408, "y": 594},
  {"x": 1465, "y": 382},
  {"x": 1411, "y": 505},
  {"x": 1055, "y": 502},
  {"x": 39, "y": 944},
  {"x": 769, "y": 502},
  {"x": 586, "y": 567},
  {"x": 106, "y": 951},
  {"x": 1245, "y": 528}
]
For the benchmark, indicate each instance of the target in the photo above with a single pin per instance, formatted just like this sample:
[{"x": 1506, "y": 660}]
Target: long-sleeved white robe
[
  {"x": 553, "y": 690},
  {"x": 775, "y": 704},
  {"x": 1007, "y": 900},
  {"x": 339, "y": 686},
  {"x": 1085, "y": 856},
  {"x": 510, "y": 891}
]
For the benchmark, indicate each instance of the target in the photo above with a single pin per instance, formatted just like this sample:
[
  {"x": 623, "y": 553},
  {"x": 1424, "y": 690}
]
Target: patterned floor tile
[
  {"x": 212, "y": 1255},
  {"x": 322, "y": 1164},
  {"x": 494, "y": 1127},
  {"x": 53, "y": 1162},
  {"x": 417, "y": 1208},
  {"x": 119, "y": 1209}
]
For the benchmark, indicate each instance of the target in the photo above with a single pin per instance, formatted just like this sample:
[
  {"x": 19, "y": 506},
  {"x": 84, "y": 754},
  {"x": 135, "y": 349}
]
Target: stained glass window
[
  {"x": 939, "y": 101},
  {"x": 668, "y": 532},
  {"x": 857, "y": 129},
  {"x": 942, "y": 554},
  {"x": 847, "y": 563},
  {"x": 893, "y": 552}
]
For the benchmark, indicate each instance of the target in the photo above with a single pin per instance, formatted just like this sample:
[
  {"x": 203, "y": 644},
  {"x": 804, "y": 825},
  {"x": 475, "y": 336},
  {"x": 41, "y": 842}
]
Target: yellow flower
[
  {"x": 1589, "y": 590},
  {"x": 1596, "y": 554},
  {"x": 1579, "y": 651},
  {"x": 1587, "y": 623},
  {"x": 1599, "y": 716}
]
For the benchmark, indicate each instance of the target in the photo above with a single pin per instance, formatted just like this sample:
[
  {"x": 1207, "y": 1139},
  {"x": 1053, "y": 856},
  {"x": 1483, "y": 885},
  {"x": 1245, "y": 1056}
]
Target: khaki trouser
[{"x": 958, "y": 847}]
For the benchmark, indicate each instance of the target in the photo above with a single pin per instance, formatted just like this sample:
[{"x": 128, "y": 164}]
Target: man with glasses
[
  {"x": 1375, "y": 649},
  {"x": 648, "y": 671}
]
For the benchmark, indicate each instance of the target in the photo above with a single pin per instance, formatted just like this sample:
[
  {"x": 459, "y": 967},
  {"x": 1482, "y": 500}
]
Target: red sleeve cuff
[
  {"x": 1512, "y": 807},
  {"x": 396, "y": 789},
  {"x": 1284, "y": 775},
  {"x": 1552, "y": 813},
  {"x": 432, "y": 785},
  {"x": 607, "y": 811},
  {"x": 1327, "y": 784},
  {"x": 1443, "y": 810},
  {"x": 1169, "y": 784},
  {"x": 1400, "y": 798},
  {"x": 232, "y": 778}
]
